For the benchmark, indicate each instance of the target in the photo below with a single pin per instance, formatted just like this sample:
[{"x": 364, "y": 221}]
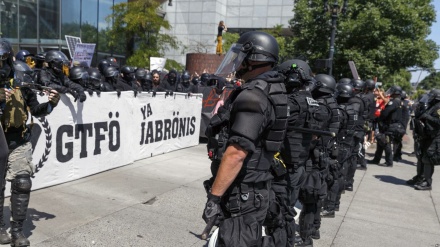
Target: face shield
[{"x": 232, "y": 61}]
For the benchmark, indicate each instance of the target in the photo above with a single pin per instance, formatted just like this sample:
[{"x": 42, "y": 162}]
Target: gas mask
[{"x": 5, "y": 71}]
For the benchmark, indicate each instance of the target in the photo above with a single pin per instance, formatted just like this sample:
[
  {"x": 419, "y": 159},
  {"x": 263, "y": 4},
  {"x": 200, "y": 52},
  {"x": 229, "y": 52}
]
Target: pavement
[{"x": 159, "y": 201}]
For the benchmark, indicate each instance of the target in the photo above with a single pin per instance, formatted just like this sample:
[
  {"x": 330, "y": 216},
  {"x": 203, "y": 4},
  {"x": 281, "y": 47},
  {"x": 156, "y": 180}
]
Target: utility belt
[{"x": 241, "y": 194}]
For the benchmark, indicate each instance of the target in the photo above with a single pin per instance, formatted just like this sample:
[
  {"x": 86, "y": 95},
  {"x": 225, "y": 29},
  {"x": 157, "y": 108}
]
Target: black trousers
[
  {"x": 244, "y": 217},
  {"x": 384, "y": 144},
  {"x": 397, "y": 147}
]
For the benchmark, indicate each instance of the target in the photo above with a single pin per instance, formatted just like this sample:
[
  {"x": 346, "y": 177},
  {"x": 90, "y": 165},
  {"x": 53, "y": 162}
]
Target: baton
[
  {"x": 208, "y": 227},
  {"x": 313, "y": 131}
]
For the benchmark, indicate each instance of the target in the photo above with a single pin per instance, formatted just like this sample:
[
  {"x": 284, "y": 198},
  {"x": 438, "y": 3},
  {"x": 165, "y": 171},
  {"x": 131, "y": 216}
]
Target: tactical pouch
[
  {"x": 310, "y": 190},
  {"x": 432, "y": 155},
  {"x": 278, "y": 166}
]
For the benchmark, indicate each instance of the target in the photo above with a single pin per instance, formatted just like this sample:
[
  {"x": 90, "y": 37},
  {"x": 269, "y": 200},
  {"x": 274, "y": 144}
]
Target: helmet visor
[{"x": 232, "y": 61}]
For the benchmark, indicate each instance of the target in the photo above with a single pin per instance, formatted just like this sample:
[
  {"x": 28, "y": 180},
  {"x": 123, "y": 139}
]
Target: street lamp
[{"x": 335, "y": 10}]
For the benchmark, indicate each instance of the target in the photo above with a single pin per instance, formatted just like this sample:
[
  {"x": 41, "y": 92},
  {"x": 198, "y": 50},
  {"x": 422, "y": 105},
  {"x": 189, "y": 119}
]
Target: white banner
[
  {"x": 107, "y": 131},
  {"x": 157, "y": 63},
  {"x": 84, "y": 53}
]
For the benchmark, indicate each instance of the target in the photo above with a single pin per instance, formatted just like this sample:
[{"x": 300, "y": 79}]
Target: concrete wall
[{"x": 194, "y": 22}]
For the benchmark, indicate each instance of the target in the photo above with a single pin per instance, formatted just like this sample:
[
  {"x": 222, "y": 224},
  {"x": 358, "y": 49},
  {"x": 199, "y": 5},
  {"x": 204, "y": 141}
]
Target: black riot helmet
[
  {"x": 434, "y": 96},
  {"x": 94, "y": 76},
  {"x": 111, "y": 72},
  {"x": 370, "y": 84},
  {"x": 22, "y": 71},
  {"x": 325, "y": 83},
  {"x": 140, "y": 74},
  {"x": 128, "y": 72},
  {"x": 22, "y": 54},
  {"x": 79, "y": 75},
  {"x": 358, "y": 85},
  {"x": 195, "y": 80},
  {"x": 185, "y": 77},
  {"x": 293, "y": 70},
  {"x": 172, "y": 76},
  {"x": 6, "y": 61},
  {"x": 57, "y": 61},
  {"x": 403, "y": 95},
  {"x": 344, "y": 90},
  {"x": 204, "y": 78},
  {"x": 344, "y": 80},
  {"x": 102, "y": 65},
  {"x": 394, "y": 90},
  {"x": 251, "y": 46}
]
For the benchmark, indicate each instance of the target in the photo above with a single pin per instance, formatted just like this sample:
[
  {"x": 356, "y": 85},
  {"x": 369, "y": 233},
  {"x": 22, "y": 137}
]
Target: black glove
[
  {"x": 90, "y": 91},
  {"x": 74, "y": 94},
  {"x": 154, "y": 93},
  {"x": 212, "y": 209},
  {"x": 82, "y": 97},
  {"x": 98, "y": 92},
  {"x": 118, "y": 92},
  {"x": 135, "y": 93}
]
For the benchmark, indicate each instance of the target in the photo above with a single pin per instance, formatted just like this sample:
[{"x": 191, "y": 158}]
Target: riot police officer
[
  {"x": 390, "y": 127},
  {"x": 255, "y": 120},
  {"x": 358, "y": 152},
  {"x": 431, "y": 152},
  {"x": 397, "y": 154},
  {"x": 324, "y": 93},
  {"x": 419, "y": 135},
  {"x": 345, "y": 138},
  {"x": 111, "y": 75},
  {"x": 305, "y": 114},
  {"x": 80, "y": 75}
]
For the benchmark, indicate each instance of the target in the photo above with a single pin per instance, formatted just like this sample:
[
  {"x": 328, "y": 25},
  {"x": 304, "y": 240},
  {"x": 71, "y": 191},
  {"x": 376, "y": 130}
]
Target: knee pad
[{"x": 21, "y": 184}]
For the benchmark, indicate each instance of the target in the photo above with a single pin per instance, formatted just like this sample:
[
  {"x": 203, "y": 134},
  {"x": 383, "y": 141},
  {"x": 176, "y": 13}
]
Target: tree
[
  {"x": 400, "y": 78},
  {"x": 430, "y": 82},
  {"x": 135, "y": 30},
  {"x": 380, "y": 36}
]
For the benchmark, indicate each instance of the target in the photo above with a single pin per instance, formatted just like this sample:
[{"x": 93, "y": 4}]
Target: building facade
[
  {"x": 194, "y": 22},
  {"x": 41, "y": 25}
]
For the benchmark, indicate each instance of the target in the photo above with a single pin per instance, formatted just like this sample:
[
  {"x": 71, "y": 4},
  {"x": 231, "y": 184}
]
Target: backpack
[{"x": 15, "y": 111}]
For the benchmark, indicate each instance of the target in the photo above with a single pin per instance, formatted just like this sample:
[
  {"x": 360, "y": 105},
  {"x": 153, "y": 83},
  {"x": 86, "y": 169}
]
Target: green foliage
[
  {"x": 418, "y": 93},
  {"x": 173, "y": 64},
  {"x": 400, "y": 78},
  {"x": 229, "y": 39},
  {"x": 136, "y": 24},
  {"x": 380, "y": 36},
  {"x": 430, "y": 82}
]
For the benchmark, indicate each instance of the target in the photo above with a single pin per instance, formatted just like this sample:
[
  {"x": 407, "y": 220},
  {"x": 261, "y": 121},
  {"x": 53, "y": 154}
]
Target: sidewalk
[{"x": 159, "y": 201}]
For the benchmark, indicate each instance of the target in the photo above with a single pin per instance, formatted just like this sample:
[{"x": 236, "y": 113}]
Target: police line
[{"x": 104, "y": 132}]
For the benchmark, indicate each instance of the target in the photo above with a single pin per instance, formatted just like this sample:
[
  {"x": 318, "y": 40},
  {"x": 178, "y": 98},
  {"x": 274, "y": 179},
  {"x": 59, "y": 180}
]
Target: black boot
[
  {"x": 17, "y": 237},
  {"x": 305, "y": 243},
  {"x": 4, "y": 236},
  {"x": 423, "y": 186},
  {"x": 415, "y": 180},
  {"x": 20, "y": 188},
  {"x": 328, "y": 214}
]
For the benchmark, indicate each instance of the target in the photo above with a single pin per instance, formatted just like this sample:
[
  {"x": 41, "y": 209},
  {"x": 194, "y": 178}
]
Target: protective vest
[
  {"x": 14, "y": 112},
  {"x": 271, "y": 140},
  {"x": 347, "y": 131},
  {"x": 295, "y": 149},
  {"x": 334, "y": 123}
]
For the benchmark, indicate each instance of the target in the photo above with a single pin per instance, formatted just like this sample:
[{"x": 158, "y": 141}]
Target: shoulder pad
[{"x": 390, "y": 102}]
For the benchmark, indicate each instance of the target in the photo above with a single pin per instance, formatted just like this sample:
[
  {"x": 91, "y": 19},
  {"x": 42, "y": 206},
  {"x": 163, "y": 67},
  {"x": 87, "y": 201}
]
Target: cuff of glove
[{"x": 214, "y": 198}]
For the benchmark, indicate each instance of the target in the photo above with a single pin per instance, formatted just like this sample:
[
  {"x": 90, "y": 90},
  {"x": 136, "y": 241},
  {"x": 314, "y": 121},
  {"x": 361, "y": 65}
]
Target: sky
[{"x": 435, "y": 35}]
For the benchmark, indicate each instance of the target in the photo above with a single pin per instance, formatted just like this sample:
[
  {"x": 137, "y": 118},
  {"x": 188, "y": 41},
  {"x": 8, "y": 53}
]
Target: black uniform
[
  {"x": 430, "y": 151},
  {"x": 358, "y": 140},
  {"x": 249, "y": 119},
  {"x": 61, "y": 83},
  {"x": 304, "y": 113},
  {"x": 329, "y": 147},
  {"x": 390, "y": 127},
  {"x": 397, "y": 144},
  {"x": 186, "y": 88}
]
